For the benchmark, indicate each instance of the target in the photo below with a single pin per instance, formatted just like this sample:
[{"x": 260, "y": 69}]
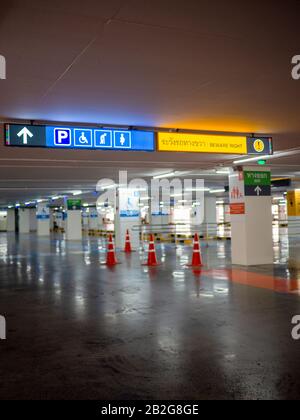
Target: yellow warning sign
[
  {"x": 202, "y": 143},
  {"x": 259, "y": 146},
  {"x": 293, "y": 203}
]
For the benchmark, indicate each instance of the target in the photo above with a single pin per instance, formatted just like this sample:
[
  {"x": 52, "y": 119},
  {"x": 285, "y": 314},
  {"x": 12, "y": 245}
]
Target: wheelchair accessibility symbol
[{"x": 83, "y": 138}]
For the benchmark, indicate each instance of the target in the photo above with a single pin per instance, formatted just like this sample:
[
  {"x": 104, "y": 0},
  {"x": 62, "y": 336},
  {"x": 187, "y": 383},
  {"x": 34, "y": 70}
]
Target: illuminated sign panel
[
  {"x": 260, "y": 145},
  {"x": 201, "y": 143},
  {"x": 208, "y": 143},
  {"x": 66, "y": 137},
  {"x": 61, "y": 137}
]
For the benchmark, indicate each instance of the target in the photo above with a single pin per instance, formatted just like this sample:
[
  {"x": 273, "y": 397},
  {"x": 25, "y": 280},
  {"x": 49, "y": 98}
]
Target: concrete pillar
[
  {"x": 24, "y": 220},
  {"x": 73, "y": 222},
  {"x": 3, "y": 221},
  {"x": 127, "y": 218},
  {"x": 210, "y": 217},
  {"x": 51, "y": 220},
  {"x": 73, "y": 225},
  {"x": 59, "y": 219},
  {"x": 33, "y": 220},
  {"x": 85, "y": 220},
  {"x": 43, "y": 220},
  {"x": 159, "y": 219},
  {"x": 100, "y": 222},
  {"x": 161, "y": 216},
  {"x": 11, "y": 220},
  {"x": 227, "y": 216},
  {"x": 93, "y": 219},
  {"x": 251, "y": 216}
]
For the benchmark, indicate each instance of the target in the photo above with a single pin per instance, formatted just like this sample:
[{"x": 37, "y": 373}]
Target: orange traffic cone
[
  {"x": 152, "y": 259},
  {"x": 196, "y": 260},
  {"x": 128, "y": 248},
  {"x": 111, "y": 258}
]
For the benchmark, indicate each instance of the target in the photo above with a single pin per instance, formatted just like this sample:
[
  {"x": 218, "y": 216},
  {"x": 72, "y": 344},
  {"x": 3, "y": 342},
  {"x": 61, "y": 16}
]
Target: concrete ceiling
[{"x": 189, "y": 64}]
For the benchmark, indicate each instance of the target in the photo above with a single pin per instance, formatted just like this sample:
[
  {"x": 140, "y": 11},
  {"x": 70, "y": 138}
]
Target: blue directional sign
[{"x": 60, "y": 137}]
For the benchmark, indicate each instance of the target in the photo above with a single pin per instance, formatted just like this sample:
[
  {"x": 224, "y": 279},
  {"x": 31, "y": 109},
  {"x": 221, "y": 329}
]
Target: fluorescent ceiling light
[
  {"x": 197, "y": 189},
  {"x": 210, "y": 174},
  {"x": 221, "y": 190},
  {"x": 79, "y": 192},
  {"x": 252, "y": 159},
  {"x": 168, "y": 175},
  {"x": 224, "y": 171},
  {"x": 268, "y": 157}
]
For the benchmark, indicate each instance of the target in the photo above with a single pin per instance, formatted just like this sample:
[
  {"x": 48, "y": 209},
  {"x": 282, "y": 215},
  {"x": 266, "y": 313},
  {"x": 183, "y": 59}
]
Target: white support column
[
  {"x": 127, "y": 218},
  {"x": 59, "y": 218},
  {"x": 51, "y": 220},
  {"x": 24, "y": 220},
  {"x": 210, "y": 217},
  {"x": 100, "y": 222},
  {"x": 43, "y": 227},
  {"x": 43, "y": 220},
  {"x": 85, "y": 220},
  {"x": 73, "y": 225},
  {"x": 159, "y": 220},
  {"x": 33, "y": 220},
  {"x": 11, "y": 220},
  {"x": 161, "y": 216},
  {"x": 251, "y": 216},
  {"x": 93, "y": 219}
]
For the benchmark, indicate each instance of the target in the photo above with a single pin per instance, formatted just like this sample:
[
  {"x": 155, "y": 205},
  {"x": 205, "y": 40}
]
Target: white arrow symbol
[
  {"x": 25, "y": 133},
  {"x": 258, "y": 190}
]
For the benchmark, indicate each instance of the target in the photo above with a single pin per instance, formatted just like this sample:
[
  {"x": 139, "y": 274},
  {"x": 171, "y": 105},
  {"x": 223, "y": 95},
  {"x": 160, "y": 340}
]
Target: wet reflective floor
[{"x": 78, "y": 330}]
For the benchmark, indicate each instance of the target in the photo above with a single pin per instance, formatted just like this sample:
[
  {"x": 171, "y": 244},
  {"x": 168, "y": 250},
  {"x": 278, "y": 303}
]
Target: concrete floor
[{"x": 78, "y": 330}]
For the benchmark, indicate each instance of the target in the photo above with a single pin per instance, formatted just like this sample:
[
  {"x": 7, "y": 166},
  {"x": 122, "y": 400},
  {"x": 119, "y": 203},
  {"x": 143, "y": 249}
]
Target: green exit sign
[
  {"x": 74, "y": 204},
  {"x": 257, "y": 178}
]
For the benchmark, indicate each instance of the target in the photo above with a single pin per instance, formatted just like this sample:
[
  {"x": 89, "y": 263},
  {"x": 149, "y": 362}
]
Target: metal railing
[{"x": 179, "y": 232}]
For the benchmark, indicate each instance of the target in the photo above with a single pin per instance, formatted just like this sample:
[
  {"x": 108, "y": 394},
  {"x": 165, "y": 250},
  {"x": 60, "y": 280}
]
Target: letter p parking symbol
[{"x": 62, "y": 137}]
